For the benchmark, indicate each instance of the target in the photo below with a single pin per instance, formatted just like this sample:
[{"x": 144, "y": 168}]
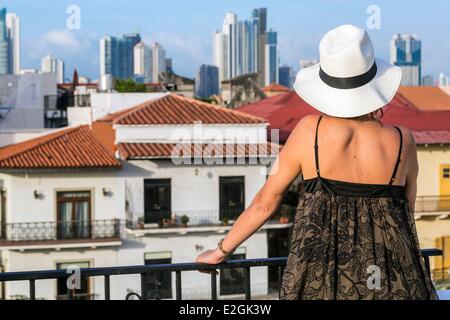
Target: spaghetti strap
[
  {"x": 316, "y": 147},
  {"x": 398, "y": 157}
]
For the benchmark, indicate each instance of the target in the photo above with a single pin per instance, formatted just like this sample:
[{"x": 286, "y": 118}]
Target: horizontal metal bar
[
  {"x": 95, "y": 272},
  {"x": 123, "y": 270}
]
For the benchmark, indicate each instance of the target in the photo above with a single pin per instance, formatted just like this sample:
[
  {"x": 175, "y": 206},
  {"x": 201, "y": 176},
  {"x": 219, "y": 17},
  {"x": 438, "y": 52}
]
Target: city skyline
[{"x": 188, "y": 39}]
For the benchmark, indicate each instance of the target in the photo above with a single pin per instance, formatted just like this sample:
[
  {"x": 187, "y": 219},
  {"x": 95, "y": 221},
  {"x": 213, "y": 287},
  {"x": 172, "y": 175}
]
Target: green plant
[
  {"x": 184, "y": 220},
  {"x": 225, "y": 221},
  {"x": 129, "y": 85}
]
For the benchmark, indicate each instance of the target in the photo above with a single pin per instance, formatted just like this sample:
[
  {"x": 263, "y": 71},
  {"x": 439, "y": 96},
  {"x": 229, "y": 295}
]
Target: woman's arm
[
  {"x": 285, "y": 170},
  {"x": 412, "y": 173}
]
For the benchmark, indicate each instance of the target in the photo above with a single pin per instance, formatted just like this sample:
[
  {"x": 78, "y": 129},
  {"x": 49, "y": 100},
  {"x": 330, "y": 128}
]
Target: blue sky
[{"x": 184, "y": 27}]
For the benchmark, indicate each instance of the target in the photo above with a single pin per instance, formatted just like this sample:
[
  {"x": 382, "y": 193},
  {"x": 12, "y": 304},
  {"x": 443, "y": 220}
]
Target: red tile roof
[
  {"x": 284, "y": 111},
  {"x": 166, "y": 150},
  {"x": 426, "y": 98},
  {"x": 66, "y": 149},
  {"x": 174, "y": 109},
  {"x": 274, "y": 87}
]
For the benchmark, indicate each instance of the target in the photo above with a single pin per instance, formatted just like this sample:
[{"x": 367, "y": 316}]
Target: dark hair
[{"x": 374, "y": 114}]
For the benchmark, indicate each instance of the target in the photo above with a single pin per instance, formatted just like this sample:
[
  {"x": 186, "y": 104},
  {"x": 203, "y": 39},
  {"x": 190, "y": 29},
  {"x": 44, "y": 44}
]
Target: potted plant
[
  {"x": 225, "y": 221},
  {"x": 284, "y": 218},
  {"x": 141, "y": 222},
  {"x": 184, "y": 221}
]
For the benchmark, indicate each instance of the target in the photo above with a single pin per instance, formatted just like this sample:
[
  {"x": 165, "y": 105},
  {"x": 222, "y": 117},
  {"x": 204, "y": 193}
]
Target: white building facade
[{"x": 153, "y": 203}]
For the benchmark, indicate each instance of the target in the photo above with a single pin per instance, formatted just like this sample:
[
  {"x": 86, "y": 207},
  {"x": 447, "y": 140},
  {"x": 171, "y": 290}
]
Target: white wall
[
  {"x": 195, "y": 189},
  {"x": 185, "y": 248},
  {"x": 23, "y": 207},
  {"x": 195, "y": 285},
  {"x": 47, "y": 260},
  {"x": 245, "y": 133}
]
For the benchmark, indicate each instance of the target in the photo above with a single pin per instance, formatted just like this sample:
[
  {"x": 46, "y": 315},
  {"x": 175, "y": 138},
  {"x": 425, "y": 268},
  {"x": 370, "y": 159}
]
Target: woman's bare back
[{"x": 358, "y": 151}]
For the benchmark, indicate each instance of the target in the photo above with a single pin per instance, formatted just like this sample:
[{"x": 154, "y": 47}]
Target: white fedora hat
[{"x": 349, "y": 81}]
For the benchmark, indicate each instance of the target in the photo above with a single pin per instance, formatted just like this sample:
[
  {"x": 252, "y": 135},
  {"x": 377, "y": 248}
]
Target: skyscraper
[
  {"x": 443, "y": 80},
  {"x": 207, "y": 81},
  {"x": 219, "y": 54},
  {"x": 4, "y": 44},
  {"x": 143, "y": 62},
  {"x": 13, "y": 29},
  {"x": 271, "y": 57},
  {"x": 230, "y": 26},
  {"x": 406, "y": 52},
  {"x": 285, "y": 75},
  {"x": 50, "y": 64},
  {"x": 241, "y": 46},
  {"x": 117, "y": 55},
  {"x": 159, "y": 61}
]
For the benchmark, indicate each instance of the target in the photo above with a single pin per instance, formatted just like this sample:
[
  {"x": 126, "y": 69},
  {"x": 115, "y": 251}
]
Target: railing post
[
  {"x": 178, "y": 285},
  {"x": 214, "y": 285},
  {"x": 32, "y": 289},
  {"x": 247, "y": 283},
  {"x": 143, "y": 287},
  {"x": 107, "y": 288}
]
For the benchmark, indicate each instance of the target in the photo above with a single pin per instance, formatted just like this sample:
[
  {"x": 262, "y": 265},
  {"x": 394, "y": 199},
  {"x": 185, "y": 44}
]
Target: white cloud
[
  {"x": 64, "y": 38},
  {"x": 188, "y": 52}
]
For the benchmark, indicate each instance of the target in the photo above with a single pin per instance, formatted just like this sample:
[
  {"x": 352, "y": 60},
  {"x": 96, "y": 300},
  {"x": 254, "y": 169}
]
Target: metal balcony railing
[
  {"x": 143, "y": 271},
  {"x": 197, "y": 218},
  {"x": 426, "y": 204},
  {"x": 54, "y": 231}
]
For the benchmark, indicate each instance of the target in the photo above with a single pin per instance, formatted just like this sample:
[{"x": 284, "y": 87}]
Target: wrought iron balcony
[
  {"x": 59, "y": 231},
  {"x": 144, "y": 271},
  {"x": 198, "y": 218}
]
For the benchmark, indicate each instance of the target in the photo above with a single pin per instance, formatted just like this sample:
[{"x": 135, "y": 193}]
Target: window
[
  {"x": 78, "y": 294},
  {"x": 74, "y": 215},
  {"x": 157, "y": 200},
  {"x": 2, "y": 214},
  {"x": 232, "y": 280},
  {"x": 232, "y": 197},
  {"x": 446, "y": 173},
  {"x": 158, "y": 284}
]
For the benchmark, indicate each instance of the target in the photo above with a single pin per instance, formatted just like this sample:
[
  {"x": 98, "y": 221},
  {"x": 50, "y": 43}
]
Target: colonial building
[{"x": 156, "y": 183}]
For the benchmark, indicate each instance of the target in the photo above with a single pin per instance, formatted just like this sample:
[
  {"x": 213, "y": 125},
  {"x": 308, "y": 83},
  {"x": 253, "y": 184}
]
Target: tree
[{"x": 130, "y": 85}]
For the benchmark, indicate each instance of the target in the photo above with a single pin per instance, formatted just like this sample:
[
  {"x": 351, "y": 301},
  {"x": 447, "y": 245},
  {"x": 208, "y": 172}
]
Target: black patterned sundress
[{"x": 354, "y": 241}]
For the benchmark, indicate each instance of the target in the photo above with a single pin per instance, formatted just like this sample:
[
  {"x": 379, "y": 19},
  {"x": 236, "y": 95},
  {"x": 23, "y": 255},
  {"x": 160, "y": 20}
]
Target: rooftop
[
  {"x": 285, "y": 110},
  {"x": 274, "y": 87},
  {"x": 173, "y": 109},
  {"x": 70, "y": 148},
  {"x": 427, "y": 98}
]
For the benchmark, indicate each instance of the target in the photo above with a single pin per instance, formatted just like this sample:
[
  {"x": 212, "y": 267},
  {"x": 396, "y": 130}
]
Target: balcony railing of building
[
  {"x": 427, "y": 204},
  {"x": 198, "y": 218},
  {"x": 60, "y": 231},
  {"x": 34, "y": 276}
]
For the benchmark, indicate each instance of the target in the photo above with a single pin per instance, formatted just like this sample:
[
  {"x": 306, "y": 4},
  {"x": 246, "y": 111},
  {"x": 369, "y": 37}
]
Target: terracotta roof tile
[
  {"x": 285, "y": 110},
  {"x": 276, "y": 87},
  {"x": 66, "y": 149},
  {"x": 426, "y": 98},
  {"x": 166, "y": 150},
  {"x": 174, "y": 109}
]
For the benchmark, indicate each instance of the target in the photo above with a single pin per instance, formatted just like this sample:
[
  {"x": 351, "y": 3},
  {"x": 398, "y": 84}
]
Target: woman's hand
[{"x": 211, "y": 257}]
